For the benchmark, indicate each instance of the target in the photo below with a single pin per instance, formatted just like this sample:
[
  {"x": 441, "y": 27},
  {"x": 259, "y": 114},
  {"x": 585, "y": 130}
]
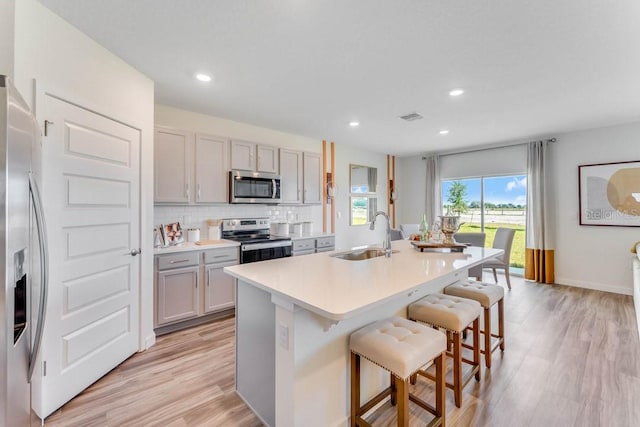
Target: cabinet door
[
  {"x": 177, "y": 293},
  {"x": 267, "y": 159},
  {"x": 243, "y": 155},
  {"x": 312, "y": 178},
  {"x": 172, "y": 166},
  {"x": 220, "y": 288},
  {"x": 291, "y": 172},
  {"x": 212, "y": 169}
]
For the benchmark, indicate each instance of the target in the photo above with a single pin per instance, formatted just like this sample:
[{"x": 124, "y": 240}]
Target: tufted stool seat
[
  {"x": 487, "y": 295},
  {"x": 454, "y": 315},
  {"x": 401, "y": 347}
]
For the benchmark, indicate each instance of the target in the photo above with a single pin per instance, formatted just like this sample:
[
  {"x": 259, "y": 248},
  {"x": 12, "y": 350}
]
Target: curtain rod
[{"x": 485, "y": 148}]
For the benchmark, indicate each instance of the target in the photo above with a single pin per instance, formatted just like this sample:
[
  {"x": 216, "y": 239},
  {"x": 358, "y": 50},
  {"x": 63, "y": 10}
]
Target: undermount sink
[{"x": 360, "y": 254}]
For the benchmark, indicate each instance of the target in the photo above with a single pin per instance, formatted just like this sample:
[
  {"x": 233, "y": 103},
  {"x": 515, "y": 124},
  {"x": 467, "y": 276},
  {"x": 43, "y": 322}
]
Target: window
[
  {"x": 486, "y": 203},
  {"x": 363, "y": 182}
]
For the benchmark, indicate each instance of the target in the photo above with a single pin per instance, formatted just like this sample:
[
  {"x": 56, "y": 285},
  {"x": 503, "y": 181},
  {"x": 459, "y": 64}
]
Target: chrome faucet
[{"x": 387, "y": 241}]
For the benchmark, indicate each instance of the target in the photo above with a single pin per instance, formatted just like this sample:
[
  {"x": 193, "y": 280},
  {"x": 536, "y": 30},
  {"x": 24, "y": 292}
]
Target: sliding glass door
[{"x": 488, "y": 202}]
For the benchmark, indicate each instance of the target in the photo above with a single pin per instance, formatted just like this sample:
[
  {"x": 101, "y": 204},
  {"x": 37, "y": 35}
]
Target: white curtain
[
  {"x": 539, "y": 264},
  {"x": 433, "y": 201}
]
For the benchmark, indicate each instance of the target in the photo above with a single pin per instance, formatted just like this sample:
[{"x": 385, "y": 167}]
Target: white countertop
[
  {"x": 191, "y": 246},
  {"x": 338, "y": 289}
]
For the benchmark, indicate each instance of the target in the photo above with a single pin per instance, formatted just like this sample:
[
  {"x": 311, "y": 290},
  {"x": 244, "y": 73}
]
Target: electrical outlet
[{"x": 283, "y": 336}]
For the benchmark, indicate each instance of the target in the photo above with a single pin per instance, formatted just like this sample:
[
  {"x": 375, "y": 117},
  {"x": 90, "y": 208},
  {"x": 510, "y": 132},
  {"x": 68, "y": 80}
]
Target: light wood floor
[{"x": 572, "y": 359}]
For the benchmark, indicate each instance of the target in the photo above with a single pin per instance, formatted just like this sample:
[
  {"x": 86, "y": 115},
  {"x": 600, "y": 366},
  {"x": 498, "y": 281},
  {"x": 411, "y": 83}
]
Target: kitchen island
[{"x": 294, "y": 317}]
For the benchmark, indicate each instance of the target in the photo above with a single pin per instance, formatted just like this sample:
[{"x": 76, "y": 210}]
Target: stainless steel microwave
[{"x": 254, "y": 187}]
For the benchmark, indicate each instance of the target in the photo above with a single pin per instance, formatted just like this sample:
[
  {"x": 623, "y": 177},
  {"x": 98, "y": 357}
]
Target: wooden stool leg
[
  {"x": 501, "y": 323},
  {"x": 394, "y": 390},
  {"x": 457, "y": 369},
  {"x": 441, "y": 372},
  {"x": 355, "y": 388},
  {"x": 476, "y": 346},
  {"x": 403, "y": 402},
  {"x": 487, "y": 337}
]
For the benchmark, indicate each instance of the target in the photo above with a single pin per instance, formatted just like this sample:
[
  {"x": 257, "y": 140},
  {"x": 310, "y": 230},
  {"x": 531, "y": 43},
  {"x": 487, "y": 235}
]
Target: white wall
[
  {"x": 7, "y": 18},
  {"x": 591, "y": 256},
  {"x": 346, "y": 236},
  {"x": 411, "y": 178},
  {"x": 70, "y": 64},
  {"x": 586, "y": 256}
]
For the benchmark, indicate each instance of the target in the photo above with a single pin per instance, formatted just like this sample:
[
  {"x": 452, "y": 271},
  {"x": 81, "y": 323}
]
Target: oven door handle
[{"x": 266, "y": 245}]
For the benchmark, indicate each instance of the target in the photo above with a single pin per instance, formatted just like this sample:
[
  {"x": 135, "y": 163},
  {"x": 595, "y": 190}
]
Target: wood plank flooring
[{"x": 572, "y": 359}]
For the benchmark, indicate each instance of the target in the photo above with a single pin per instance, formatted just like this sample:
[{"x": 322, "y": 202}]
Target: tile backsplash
[{"x": 197, "y": 216}]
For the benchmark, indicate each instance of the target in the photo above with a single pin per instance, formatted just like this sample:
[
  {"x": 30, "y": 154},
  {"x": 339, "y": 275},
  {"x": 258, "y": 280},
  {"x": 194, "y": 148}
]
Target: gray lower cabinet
[
  {"x": 177, "y": 295},
  {"x": 313, "y": 245},
  {"x": 193, "y": 284},
  {"x": 303, "y": 246},
  {"x": 219, "y": 287}
]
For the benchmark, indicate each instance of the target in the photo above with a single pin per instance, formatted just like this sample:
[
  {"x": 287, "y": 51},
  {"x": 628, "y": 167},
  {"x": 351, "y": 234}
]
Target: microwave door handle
[
  {"x": 44, "y": 277},
  {"x": 273, "y": 193}
]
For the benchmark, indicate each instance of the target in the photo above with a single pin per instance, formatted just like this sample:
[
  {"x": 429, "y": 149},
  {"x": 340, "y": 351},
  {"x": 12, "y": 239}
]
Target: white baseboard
[
  {"x": 149, "y": 342},
  {"x": 593, "y": 285}
]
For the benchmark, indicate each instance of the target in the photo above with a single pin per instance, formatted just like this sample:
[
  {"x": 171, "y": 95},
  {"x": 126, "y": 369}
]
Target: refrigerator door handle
[{"x": 44, "y": 266}]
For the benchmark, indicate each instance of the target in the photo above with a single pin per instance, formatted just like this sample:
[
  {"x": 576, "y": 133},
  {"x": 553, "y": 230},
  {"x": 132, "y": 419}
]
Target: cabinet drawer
[
  {"x": 303, "y": 252},
  {"x": 325, "y": 242},
  {"x": 301, "y": 245},
  {"x": 179, "y": 260},
  {"x": 329, "y": 249},
  {"x": 220, "y": 255}
]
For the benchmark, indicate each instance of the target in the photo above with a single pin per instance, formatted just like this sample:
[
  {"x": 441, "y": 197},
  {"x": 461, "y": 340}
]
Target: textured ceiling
[{"x": 529, "y": 68}]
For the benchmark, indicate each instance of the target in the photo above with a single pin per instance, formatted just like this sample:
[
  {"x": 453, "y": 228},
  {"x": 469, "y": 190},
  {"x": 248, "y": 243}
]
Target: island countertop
[{"x": 339, "y": 289}]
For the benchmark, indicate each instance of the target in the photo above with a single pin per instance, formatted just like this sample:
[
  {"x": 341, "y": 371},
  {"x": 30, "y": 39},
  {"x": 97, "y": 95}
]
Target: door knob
[{"x": 135, "y": 252}]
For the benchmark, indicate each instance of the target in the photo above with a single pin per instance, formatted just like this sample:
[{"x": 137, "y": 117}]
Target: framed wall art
[{"x": 609, "y": 194}]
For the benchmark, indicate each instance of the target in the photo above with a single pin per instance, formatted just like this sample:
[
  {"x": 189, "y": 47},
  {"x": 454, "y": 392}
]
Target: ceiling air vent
[{"x": 412, "y": 116}]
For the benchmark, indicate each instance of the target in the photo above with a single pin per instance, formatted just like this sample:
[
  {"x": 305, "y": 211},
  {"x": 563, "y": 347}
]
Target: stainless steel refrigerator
[{"x": 22, "y": 258}]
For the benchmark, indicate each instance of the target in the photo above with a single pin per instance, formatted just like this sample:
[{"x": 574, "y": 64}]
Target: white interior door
[{"x": 90, "y": 192}]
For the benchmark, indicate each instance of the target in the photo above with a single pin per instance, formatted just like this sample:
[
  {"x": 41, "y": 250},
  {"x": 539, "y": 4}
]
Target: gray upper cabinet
[
  {"x": 190, "y": 168},
  {"x": 312, "y": 166},
  {"x": 243, "y": 155},
  {"x": 267, "y": 159},
  {"x": 211, "y": 169},
  {"x": 249, "y": 156},
  {"x": 301, "y": 177},
  {"x": 291, "y": 172},
  {"x": 172, "y": 166}
]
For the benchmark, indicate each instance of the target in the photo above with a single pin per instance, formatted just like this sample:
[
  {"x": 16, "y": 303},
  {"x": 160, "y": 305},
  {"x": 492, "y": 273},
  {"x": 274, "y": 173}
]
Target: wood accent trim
[
  {"x": 333, "y": 180},
  {"x": 324, "y": 186}
]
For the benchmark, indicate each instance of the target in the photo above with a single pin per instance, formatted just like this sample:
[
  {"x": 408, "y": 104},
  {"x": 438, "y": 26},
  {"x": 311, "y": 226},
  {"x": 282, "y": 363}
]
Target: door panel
[
  {"x": 312, "y": 178},
  {"x": 220, "y": 288},
  {"x": 172, "y": 163},
  {"x": 291, "y": 172},
  {"x": 212, "y": 170},
  {"x": 91, "y": 198}
]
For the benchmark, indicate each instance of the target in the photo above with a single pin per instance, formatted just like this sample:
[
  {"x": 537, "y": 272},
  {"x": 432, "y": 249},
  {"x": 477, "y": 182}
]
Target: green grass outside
[{"x": 517, "y": 250}]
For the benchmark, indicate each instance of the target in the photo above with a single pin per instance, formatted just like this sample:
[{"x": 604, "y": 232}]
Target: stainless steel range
[{"x": 256, "y": 244}]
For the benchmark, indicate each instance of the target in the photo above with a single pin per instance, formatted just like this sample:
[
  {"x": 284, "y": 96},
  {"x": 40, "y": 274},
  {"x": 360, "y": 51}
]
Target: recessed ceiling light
[
  {"x": 203, "y": 77},
  {"x": 444, "y": 132},
  {"x": 354, "y": 124},
  {"x": 456, "y": 92}
]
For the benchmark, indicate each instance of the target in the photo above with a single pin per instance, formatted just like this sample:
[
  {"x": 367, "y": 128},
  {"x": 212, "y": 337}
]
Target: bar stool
[
  {"x": 453, "y": 314},
  {"x": 487, "y": 295},
  {"x": 401, "y": 347}
]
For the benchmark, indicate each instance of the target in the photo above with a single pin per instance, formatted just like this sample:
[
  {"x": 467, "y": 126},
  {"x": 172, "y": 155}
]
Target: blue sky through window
[{"x": 498, "y": 190}]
